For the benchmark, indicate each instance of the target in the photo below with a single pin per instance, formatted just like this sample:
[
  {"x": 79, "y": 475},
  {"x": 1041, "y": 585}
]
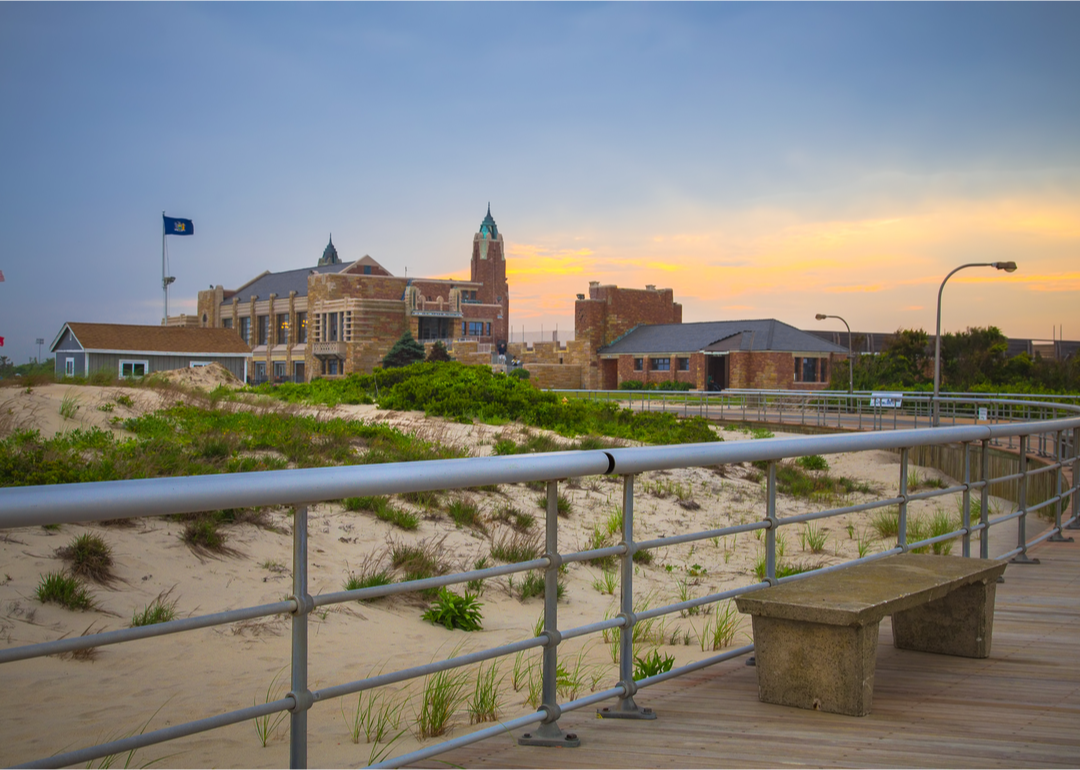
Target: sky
[{"x": 762, "y": 160}]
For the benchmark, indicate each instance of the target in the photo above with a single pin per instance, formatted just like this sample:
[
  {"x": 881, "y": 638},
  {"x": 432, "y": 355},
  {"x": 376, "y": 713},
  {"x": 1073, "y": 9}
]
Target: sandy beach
[{"x": 65, "y": 703}]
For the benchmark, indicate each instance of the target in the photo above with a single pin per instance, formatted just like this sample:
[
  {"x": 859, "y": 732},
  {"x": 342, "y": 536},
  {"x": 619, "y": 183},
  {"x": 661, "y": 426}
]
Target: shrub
[
  {"x": 160, "y": 610},
  {"x": 517, "y": 546},
  {"x": 562, "y": 503},
  {"x": 66, "y": 590},
  {"x": 89, "y": 557},
  {"x": 438, "y": 352},
  {"x": 652, "y": 664},
  {"x": 404, "y": 352},
  {"x": 465, "y": 514},
  {"x": 454, "y": 611},
  {"x": 519, "y": 374},
  {"x": 813, "y": 463},
  {"x": 204, "y": 533},
  {"x": 886, "y": 522},
  {"x": 384, "y": 511}
]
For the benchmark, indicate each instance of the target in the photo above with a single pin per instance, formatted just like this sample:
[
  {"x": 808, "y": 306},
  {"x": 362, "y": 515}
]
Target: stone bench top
[{"x": 865, "y": 593}]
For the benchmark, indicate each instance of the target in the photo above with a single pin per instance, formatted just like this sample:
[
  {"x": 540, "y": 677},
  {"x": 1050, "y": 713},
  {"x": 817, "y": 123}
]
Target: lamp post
[
  {"x": 851, "y": 366},
  {"x": 1008, "y": 267}
]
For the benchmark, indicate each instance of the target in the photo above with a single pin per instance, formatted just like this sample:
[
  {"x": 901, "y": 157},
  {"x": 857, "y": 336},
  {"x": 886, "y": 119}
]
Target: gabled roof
[
  {"x": 154, "y": 339},
  {"x": 282, "y": 283},
  {"x": 718, "y": 336}
]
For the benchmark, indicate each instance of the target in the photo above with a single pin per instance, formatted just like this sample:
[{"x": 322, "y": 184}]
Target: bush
[
  {"x": 519, "y": 374},
  {"x": 66, "y": 590},
  {"x": 438, "y": 352},
  {"x": 90, "y": 557},
  {"x": 404, "y": 352},
  {"x": 204, "y": 533},
  {"x": 161, "y": 610},
  {"x": 813, "y": 463},
  {"x": 454, "y": 611},
  {"x": 651, "y": 665}
]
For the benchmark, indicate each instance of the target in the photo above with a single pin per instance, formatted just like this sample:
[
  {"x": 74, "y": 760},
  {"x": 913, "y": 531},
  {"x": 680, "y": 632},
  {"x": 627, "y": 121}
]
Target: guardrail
[{"x": 76, "y": 503}]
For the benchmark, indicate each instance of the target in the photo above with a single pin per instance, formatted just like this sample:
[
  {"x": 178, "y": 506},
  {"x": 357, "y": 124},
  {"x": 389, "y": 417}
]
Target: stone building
[{"x": 337, "y": 318}]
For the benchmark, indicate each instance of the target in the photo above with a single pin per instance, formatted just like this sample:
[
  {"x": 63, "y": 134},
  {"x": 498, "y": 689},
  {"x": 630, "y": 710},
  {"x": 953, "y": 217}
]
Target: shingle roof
[
  {"x": 282, "y": 283},
  {"x": 157, "y": 339},
  {"x": 761, "y": 334}
]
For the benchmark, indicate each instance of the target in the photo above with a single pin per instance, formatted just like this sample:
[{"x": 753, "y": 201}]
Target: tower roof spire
[{"x": 488, "y": 228}]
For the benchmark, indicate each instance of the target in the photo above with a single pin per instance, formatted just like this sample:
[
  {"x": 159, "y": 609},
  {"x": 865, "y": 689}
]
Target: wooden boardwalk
[{"x": 1019, "y": 708}]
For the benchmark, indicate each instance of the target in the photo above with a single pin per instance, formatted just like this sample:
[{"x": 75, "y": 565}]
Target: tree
[
  {"x": 404, "y": 352},
  {"x": 438, "y": 352}
]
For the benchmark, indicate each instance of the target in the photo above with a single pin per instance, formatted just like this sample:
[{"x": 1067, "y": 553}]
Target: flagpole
[{"x": 164, "y": 286}]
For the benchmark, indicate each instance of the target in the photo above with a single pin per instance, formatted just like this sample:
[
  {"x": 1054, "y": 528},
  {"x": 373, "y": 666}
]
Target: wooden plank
[{"x": 1018, "y": 708}]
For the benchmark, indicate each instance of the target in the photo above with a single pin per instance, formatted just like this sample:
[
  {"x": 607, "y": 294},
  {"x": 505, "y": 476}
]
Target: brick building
[
  {"x": 715, "y": 355},
  {"x": 337, "y": 318}
]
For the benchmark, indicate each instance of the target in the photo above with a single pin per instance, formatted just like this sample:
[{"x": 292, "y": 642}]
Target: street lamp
[
  {"x": 1008, "y": 267},
  {"x": 851, "y": 366}
]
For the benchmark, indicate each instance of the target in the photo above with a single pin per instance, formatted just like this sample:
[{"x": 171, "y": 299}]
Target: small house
[{"x": 124, "y": 350}]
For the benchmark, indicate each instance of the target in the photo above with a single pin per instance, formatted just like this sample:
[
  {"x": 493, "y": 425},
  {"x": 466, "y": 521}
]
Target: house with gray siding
[{"x": 124, "y": 350}]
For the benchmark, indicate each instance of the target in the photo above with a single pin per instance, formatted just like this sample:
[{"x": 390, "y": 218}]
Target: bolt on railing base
[
  {"x": 549, "y": 734},
  {"x": 626, "y": 709},
  {"x": 1023, "y": 558}
]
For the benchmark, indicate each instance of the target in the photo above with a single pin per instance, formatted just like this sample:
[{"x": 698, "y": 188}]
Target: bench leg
[
  {"x": 961, "y": 623},
  {"x": 815, "y": 666}
]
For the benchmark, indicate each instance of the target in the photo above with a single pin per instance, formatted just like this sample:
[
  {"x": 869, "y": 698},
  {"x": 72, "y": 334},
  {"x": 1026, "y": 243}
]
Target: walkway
[{"x": 1019, "y": 708}]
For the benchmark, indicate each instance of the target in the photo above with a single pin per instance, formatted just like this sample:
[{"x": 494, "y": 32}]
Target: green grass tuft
[{"x": 66, "y": 590}]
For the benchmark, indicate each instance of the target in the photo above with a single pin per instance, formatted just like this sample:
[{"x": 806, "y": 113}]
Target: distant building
[
  {"x": 337, "y": 318},
  {"x": 624, "y": 334},
  {"x": 121, "y": 350}
]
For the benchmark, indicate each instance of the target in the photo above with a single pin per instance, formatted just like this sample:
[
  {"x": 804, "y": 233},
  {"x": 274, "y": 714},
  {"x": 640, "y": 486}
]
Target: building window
[
  {"x": 282, "y": 330},
  {"x": 809, "y": 370},
  {"x": 260, "y": 371},
  {"x": 638, "y": 364},
  {"x": 367, "y": 269},
  {"x": 682, "y": 364},
  {"x": 69, "y": 367},
  {"x": 245, "y": 329},
  {"x": 279, "y": 370},
  {"x": 476, "y": 328},
  {"x": 298, "y": 371},
  {"x": 798, "y": 363},
  {"x": 488, "y": 329},
  {"x": 301, "y": 328},
  {"x": 133, "y": 368},
  {"x": 263, "y": 325},
  {"x": 660, "y": 364},
  {"x": 226, "y": 323},
  {"x": 331, "y": 366}
]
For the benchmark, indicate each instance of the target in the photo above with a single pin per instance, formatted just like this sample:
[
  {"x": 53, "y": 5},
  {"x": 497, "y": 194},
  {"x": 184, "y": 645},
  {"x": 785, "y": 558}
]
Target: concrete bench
[{"x": 815, "y": 640}]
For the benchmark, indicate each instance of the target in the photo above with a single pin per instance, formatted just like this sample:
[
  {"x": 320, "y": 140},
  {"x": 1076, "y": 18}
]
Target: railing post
[
  {"x": 901, "y": 522},
  {"x": 1075, "y": 523},
  {"x": 770, "y": 533},
  {"x": 966, "y": 523},
  {"x": 1021, "y": 505},
  {"x": 627, "y": 708},
  {"x": 549, "y": 733},
  {"x": 984, "y": 501},
  {"x": 1059, "y": 457},
  {"x": 300, "y": 693}
]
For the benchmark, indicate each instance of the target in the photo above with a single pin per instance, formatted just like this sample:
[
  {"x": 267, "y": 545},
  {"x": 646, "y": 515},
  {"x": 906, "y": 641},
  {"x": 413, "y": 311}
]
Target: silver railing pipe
[{"x": 72, "y": 503}]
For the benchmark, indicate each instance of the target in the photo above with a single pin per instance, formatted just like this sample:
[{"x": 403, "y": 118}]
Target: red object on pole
[{"x": 1, "y": 342}]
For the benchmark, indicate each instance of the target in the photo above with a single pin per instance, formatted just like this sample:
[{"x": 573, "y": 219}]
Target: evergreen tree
[
  {"x": 404, "y": 352},
  {"x": 438, "y": 352}
]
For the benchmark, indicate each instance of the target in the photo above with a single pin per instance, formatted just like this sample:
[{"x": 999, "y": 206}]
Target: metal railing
[{"x": 77, "y": 503}]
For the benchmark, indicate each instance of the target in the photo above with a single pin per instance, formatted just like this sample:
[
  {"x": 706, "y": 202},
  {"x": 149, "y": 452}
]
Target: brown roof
[{"x": 157, "y": 339}]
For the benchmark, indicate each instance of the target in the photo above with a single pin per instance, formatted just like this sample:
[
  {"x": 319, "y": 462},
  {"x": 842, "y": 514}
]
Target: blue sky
[{"x": 763, "y": 160}]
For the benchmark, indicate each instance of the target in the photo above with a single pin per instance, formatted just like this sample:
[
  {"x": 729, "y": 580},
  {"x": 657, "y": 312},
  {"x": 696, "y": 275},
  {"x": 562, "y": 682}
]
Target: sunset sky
[{"x": 762, "y": 160}]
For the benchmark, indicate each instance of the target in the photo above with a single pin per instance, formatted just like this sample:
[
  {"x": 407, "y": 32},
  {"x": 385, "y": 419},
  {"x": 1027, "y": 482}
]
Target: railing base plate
[
  {"x": 1057, "y": 537},
  {"x": 626, "y": 709},
  {"x": 550, "y": 735},
  {"x": 1023, "y": 558}
]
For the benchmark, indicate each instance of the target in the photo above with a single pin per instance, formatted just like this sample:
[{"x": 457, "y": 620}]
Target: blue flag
[{"x": 175, "y": 226}]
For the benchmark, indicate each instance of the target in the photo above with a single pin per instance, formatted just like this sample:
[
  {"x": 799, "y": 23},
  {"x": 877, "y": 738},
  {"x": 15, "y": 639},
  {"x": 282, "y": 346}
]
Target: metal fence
[{"x": 76, "y": 503}]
